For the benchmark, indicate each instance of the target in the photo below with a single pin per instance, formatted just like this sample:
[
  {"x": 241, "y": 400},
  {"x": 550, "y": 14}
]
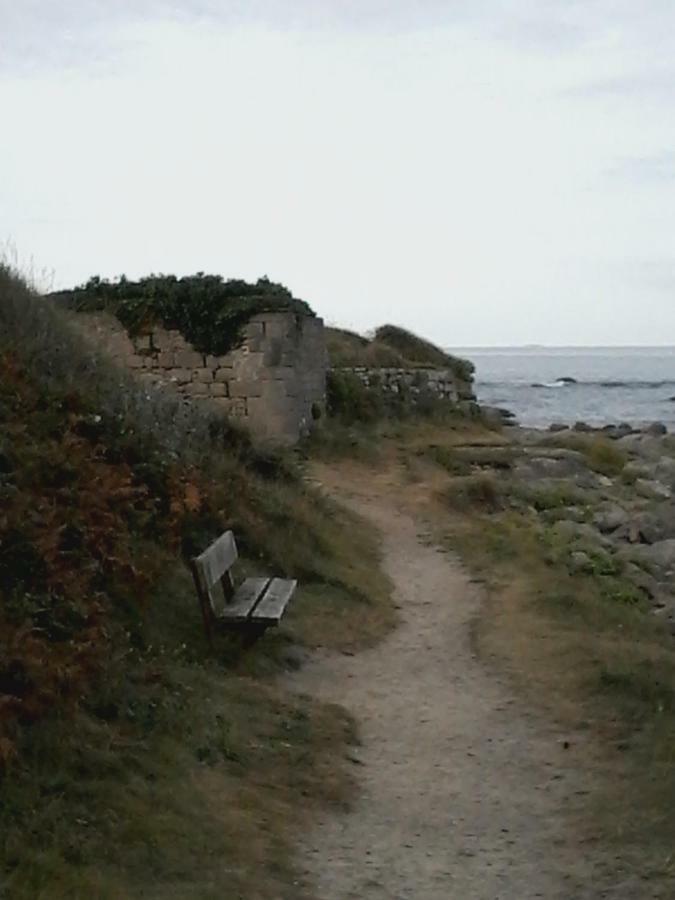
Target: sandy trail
[{"x": 465, "y": 795}]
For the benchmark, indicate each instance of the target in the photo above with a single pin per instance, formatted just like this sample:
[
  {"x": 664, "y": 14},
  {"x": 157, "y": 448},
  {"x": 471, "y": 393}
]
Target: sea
[{"x": 597, "y": 385}]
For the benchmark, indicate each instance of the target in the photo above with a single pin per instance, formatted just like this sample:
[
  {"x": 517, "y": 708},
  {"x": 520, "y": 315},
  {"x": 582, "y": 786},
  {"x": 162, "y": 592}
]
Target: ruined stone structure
[
  {"x": 417, "y": 384},
  {"x": 274, "y": 382}
]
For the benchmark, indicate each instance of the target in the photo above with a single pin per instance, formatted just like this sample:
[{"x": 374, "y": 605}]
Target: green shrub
[
  {"x": 551, "y": 497},
  {"x": 210, "y": 313},
  {"x": 423, "y": 353},
  {"x": 448, "y": 459},
  {"x": 604, "y": 456},
  {"x": 480, "y": 492}
]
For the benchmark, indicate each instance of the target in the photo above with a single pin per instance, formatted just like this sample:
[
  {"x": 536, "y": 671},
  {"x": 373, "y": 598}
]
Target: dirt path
[{"x": 465, "y": 795}]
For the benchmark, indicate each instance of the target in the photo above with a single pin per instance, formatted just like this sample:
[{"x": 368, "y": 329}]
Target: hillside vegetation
[
  {"x": 209, "y": 312},
  {"x": 134, "y": 762},
  {"x": 391, "y": 347}
]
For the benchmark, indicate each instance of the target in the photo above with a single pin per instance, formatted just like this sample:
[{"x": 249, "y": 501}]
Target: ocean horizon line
[{"x": 557, "y": 347}]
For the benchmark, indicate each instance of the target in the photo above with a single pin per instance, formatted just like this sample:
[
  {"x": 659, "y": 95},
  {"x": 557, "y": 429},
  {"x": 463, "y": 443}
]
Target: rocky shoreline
[{"x": 603, "y": 501}]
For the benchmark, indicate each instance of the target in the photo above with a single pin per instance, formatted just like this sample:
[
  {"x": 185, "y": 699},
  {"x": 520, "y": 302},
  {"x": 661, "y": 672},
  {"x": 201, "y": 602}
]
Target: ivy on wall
[{"x": 209, "y": 312}]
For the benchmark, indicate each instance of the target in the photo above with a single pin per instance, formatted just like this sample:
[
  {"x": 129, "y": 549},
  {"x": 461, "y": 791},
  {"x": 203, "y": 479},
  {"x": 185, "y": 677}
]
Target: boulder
[
  {"x": 664, "y": 471},
  {"x": 635, "y": 470},
  {"x": 556, "y": 427},
  {"x": 646, "y": 445},
  {"x": 615, "y": 432},
  {"x": 582, "y": 427},
  {"x": 496, "y": 415},
  {"x": 579, "y": 531},
  {"x": 642, "y": 580},
  {"x": 580, "y": 562},
  {"x": 660, "y": 557},
  {"x": 572, "y": 514},
  {"x": 610, "y": 517},
  {"x": 649, "y": 526},
  {"x": 652, "y": 490},
  {"x": 657, "y": 429}
]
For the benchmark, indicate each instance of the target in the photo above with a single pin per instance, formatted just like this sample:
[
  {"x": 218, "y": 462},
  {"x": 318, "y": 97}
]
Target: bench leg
[{"x": 251, "y": 633}]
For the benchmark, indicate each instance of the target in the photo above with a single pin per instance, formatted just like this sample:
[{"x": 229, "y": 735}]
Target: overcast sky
[{"x": 485, "y": 172}]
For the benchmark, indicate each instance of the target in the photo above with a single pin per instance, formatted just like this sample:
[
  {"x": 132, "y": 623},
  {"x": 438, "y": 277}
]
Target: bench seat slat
[
  {"x": 244, "y": 600},
  {"x": 217, "y": 559},
  {"x": 274, "y": 601}
]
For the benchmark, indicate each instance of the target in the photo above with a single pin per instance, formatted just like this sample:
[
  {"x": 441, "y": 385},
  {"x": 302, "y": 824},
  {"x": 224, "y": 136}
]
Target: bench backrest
[{"x": 212, "y": 569}]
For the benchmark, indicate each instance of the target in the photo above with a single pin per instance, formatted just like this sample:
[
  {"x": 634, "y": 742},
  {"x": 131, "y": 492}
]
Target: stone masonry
[
  {"x": 274, "y": 382},
  {"x": 416, "y": 384}
]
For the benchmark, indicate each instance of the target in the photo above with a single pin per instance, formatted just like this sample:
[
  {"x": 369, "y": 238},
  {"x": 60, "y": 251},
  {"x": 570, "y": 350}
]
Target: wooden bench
[{"x": 255, "y": 605}]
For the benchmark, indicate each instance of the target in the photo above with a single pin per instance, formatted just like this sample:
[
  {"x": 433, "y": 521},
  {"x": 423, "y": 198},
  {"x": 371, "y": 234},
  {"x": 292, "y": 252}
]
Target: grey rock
[
  {"x": 610, "y": 517},
  {"x": 572, "y": 513},
  {"x": 580, "y": 562},
  {"x": 652, "y": 490},
  {"x": 663, "y": 600},
  {"x": 582, "y": 426},
  {"x": 647, "y": 527},
  {"x": 497, "y": 414},
  {"x": 645, "y": 445},
  {"x": 545, "y": 467},
  {"x": 664, "y": 471},
  {"x": 667, "y": 617},
  {"x": 635, "y": 470},
  {"x": 659, "y": 556},
  {"x": 556, "y": 427},
  {"x": 656, "y": 428},
  {"x": 641, "y": 579},
  {"x": 615, "y": 432},
  {"x": 580, "y": 531}
]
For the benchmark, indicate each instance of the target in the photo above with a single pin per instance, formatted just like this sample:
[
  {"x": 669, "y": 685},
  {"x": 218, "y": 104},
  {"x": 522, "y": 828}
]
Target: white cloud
[{"x": 417, "y": 162}]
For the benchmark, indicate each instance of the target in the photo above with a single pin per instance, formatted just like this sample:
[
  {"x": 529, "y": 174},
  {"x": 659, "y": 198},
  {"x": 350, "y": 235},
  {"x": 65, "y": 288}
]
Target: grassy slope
[
  {"x": 391, "y": 347},
  {"x": 136, "y": 763}
]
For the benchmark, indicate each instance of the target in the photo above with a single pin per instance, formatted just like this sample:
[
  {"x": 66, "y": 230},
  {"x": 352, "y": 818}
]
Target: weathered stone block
[
  {"x": 278, "y": 325},
  {"x": 223, "y": 375},
  {"x": 189, "y": 359},
  {"x": 142, "y": 342},
  {"x": 232, "y": 407},
  {"x": 218, "y": 389},
  {"x": 274, "y": 351},
  {"x": 180, "y": 376},
  {"x": 197, "y": 389},
  {"x": 248, "y": 365},
  {"x": 245, "y": 388},
  {"x": 255, "y": 328},
  {"x": 166, "y": 359},
  {"x": 255, "y": 344},
  {"x": 204, "y": 375}
]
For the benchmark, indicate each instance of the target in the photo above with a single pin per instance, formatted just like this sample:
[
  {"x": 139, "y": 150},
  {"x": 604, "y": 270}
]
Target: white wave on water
[{"x": 601, "y": 385}]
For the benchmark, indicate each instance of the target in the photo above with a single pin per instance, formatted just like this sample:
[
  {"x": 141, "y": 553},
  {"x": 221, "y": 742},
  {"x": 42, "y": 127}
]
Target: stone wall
[
  {"x": 417, "y": 385},
  {"x": 274, "y": 383}
]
